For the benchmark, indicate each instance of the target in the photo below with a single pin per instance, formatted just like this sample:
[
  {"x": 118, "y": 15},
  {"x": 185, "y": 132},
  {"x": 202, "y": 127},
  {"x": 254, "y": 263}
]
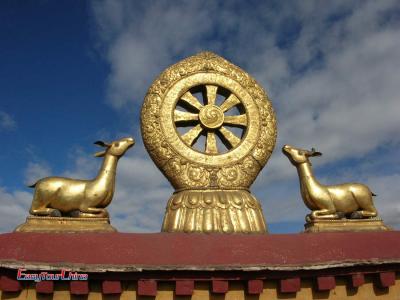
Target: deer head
[
  {"x": 298, "y": 156},
  {"x": 116, "y": 148}
]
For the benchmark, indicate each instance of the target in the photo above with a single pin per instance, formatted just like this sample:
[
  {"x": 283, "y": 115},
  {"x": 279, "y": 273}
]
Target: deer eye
[{"x": 116, "y": 144}]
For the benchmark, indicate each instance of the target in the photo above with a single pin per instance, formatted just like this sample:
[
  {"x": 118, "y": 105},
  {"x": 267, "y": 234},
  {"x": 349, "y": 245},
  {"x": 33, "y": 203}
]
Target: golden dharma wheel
[{"x": 210, "y": 128}]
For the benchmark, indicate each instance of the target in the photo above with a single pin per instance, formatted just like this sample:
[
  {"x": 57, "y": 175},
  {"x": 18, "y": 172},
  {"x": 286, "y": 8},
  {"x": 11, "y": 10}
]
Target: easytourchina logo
[{"x": 43, "y": 276}]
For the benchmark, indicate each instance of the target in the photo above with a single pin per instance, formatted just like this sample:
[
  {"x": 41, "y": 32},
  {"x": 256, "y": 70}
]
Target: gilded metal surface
[
  {"x": 81, "y": 198},
  {"x": 332, "y": 225},
  {"x": 208, "y": 126},
  {"x": 214, "y": 211},
  {"x": 65, "y": 224},
  {"x": 351, "y": 200}
]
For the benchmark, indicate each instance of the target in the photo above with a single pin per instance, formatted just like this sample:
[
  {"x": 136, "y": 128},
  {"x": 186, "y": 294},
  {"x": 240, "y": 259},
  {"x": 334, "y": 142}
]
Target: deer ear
[
  {"x": 101, "y": 143},
  {"x": 100, "y": 154}
]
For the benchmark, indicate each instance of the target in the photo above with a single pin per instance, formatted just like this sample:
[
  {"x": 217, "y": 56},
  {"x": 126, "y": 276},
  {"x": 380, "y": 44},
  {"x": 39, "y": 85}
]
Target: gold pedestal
[
  {"x": 65, "y": 224},
  {"x": 214, "y": 211},
  {"x": 375, "y": 224}
]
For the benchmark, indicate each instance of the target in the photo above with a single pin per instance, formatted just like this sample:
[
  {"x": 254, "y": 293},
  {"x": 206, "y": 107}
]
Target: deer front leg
[
  {"x": 324, "y": 214},
  {"x": 39, "y": 206},
  {"x": 359, "y": 214},
  {"x": 44, "y": 211},
  {"x": 326, "y": 207},
  {"x": 93, "y": 212}
]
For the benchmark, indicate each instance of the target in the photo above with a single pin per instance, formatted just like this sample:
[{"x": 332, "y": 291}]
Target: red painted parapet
[
  {"x": 220, "y": 286},
  {"x": 147, "y": 288},
  {"x": 109, "y": 287},
  {"x": 357, "y": 280},
  {"x": 45, "y": 287},
  {"x": 387, "y": 279},
  {"x": 9, "y": 284},
  {"x": 290, "y": 285},
  {"x": 79, "y": 287},
  {"x": 326, "y": 283},
  {"x": 184, "y": 287},
  {"x": 221, "y": 261},
  {"x": 255, "y": 287},
  {"x": 200, "y": 251}
]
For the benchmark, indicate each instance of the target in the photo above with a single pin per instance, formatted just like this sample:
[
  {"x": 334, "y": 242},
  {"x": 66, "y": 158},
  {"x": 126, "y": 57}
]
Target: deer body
[
  {"x": 87, "y": 197},
  {"x": 326, "y": 201}
]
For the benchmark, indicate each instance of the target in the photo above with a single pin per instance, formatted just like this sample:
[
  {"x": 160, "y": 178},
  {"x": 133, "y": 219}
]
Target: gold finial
[
  {"x": 210, "y": 128},
  {"x": 333, "y": 206}
]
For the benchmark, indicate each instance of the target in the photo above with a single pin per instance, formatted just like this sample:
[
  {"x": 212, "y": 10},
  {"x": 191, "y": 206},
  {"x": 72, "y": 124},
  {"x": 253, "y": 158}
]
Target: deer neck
[
  {"x": 308, "y": 183},
  {"x": 106, "y": 175}
]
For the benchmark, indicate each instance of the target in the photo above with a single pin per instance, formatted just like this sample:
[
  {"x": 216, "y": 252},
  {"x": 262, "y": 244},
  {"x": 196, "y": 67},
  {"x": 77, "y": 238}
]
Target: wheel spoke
[
  {"x": 190, "y": 136},
  {"x": 211, "y": 94},
  {"x": 211, "y": 144},
  {"x": 182, "y": 116},
  {"x": 191, "y": 100},
  {"x": 230, "y": 102},
  {"x": 232, "y": 139},
  {"x": 240, "y": 120}
]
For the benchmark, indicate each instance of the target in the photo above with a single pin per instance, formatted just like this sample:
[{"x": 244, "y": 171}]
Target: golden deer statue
[
  {"x": 81, "y": 198},
  {"x": 329, "y": 201}
]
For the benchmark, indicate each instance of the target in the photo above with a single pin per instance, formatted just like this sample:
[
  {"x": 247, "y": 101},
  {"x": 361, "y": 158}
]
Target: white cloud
[
  {"x": 387, "y": 189},
  {"x": 144, "y": 38},
  {"x": 351, "y": 106},
  {"x": 7, "y": 122},
  {"x": 141, "y": 194},
  {"x": 334, "y": 83},
  {"x": 348, "y": 103},
  {"x": 14, "y": 208},
  {"x": 84, "y": 165},
  {"x": 35, "y": 171}
]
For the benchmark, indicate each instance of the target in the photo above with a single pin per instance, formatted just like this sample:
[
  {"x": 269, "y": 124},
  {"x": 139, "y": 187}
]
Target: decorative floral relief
[{"x": 181, "y": 171}]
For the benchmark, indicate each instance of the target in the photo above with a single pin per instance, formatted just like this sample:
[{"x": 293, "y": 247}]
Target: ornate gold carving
[
  {"x": 339, "y": 204},
  {"x": 204, "y": 97},
  {"x": 214, "y": 211},
  {"x": 211, "y": 117}
]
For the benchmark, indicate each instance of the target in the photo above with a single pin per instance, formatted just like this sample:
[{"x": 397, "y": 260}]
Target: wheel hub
[{"x": 211, "y": 116}]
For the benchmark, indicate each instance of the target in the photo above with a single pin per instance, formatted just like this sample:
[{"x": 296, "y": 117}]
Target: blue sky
[{"x": 73, "y": 72}]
